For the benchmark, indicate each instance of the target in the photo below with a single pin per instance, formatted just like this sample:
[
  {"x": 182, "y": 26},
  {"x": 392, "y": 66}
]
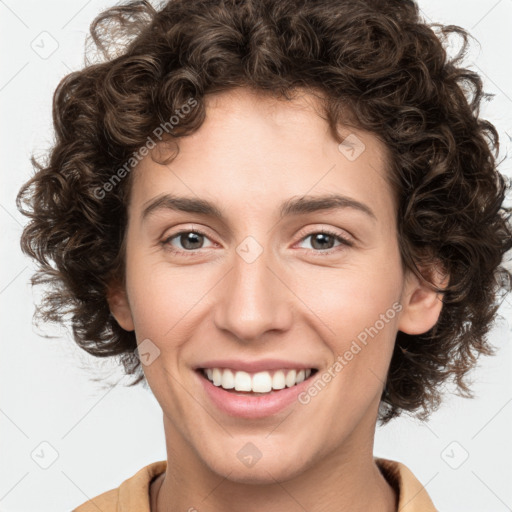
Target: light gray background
[{"x": 102, "y": 437}]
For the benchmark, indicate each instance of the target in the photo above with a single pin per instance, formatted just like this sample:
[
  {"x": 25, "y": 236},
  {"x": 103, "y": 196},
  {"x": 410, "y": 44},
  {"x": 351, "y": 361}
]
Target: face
[{"x": 268, "y": 277}]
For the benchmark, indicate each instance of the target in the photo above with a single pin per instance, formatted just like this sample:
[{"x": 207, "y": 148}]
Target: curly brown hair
[{"x": 380, "y": 67}]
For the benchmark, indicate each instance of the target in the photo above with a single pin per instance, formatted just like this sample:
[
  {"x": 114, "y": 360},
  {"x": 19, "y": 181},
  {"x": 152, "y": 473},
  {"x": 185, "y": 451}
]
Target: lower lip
[{"x": 250, "y": 406}]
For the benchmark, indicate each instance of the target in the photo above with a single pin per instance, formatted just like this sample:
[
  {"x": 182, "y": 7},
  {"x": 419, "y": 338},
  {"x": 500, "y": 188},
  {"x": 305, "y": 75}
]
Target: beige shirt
[{"x": 133, "y": 494}]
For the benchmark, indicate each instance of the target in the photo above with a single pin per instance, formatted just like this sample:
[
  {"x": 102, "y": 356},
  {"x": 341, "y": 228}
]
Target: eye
[
  {"x": 322, "y": 241},
  {"x": 190, "y": 240}
]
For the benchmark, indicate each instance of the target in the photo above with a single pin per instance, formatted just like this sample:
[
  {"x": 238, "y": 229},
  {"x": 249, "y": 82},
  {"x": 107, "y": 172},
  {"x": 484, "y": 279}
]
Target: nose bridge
[{"x": 253, "y": 299}]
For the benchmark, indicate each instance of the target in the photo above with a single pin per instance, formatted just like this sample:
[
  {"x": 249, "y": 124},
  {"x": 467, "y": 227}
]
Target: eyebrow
[{"x": 290, "y": 207}]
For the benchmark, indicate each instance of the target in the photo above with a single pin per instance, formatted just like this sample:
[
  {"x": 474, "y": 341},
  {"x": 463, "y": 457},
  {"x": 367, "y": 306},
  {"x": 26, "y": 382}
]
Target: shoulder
[
  {"x": 131, "y": 495},
  {"x": 412, "y": 495},
  {"x": 106, "y": 502}
]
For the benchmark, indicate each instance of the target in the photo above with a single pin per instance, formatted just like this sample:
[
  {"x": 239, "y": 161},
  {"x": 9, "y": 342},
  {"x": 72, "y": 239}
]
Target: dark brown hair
[{"x": 379, "y": 67}]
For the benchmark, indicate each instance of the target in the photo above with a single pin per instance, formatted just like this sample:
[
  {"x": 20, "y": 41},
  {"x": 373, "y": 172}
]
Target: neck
[{"x": 348, "y": 480}]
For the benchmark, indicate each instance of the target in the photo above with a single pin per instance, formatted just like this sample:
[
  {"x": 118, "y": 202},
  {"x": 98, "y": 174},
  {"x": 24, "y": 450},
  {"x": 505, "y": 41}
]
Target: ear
[
  {"x": 421, "y": 305},
  {"x": 120, "y": 307}
]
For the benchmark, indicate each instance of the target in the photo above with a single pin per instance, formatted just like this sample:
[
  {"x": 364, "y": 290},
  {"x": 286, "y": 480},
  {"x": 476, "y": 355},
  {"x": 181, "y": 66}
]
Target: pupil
[
  {"x": 322, "y": 237},
  {"x": 190, "y": 238}
]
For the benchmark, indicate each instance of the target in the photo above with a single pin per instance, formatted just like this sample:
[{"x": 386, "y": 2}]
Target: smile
[
  {"x": 259, "y": 382},
  {"x": 240, "y": 396}
]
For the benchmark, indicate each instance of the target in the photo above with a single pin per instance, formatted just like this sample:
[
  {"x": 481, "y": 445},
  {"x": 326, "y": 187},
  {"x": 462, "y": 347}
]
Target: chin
[{"x": 268, "y": 469}]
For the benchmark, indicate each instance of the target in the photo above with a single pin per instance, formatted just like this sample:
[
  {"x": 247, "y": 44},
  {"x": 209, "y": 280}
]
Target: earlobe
[
  {"x": 119, "y": 307},
  {"x": 421, "y": 305}
]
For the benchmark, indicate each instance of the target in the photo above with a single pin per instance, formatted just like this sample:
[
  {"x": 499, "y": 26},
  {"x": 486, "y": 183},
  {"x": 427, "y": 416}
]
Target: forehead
[{"x": 257, "y": 147}]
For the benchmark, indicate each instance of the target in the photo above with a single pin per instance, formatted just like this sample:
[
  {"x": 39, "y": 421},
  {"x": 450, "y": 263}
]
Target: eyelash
[{"x": 191, "y": 253}]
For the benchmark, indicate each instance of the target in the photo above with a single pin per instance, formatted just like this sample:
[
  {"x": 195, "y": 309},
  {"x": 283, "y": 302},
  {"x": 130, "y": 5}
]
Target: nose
[{"x": 254, "y": 300}]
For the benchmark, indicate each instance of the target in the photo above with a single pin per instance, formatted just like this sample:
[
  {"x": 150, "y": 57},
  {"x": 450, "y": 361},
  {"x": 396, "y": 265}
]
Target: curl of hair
[{"x": 379, "y": 67}]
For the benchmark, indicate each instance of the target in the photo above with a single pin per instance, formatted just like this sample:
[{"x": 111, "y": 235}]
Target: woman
[{"x": 286, "y": 217}]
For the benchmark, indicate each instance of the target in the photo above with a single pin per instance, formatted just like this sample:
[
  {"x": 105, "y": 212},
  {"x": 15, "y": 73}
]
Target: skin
[{"x": 293, "y": 302}]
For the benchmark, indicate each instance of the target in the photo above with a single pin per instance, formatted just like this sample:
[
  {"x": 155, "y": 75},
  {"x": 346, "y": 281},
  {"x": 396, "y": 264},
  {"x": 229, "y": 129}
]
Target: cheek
[
  {"x": 162, "y": 298},
  {"x": 160, "y": 302},
  {"x": 351, "y": 299},
  {"x": 356, "y": 310},
  {"x": 361, "y": 312}
]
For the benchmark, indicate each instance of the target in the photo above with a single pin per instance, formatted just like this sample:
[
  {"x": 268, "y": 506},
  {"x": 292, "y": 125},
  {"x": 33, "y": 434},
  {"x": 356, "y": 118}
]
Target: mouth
[{"x": 256, "y": 384}]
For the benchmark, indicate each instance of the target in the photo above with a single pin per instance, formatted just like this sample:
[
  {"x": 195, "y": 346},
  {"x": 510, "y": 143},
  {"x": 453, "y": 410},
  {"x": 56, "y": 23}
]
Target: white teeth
[
  {"x": 242, "y": 381},
  {"x": 278, "y": 380},
  {"x": 260, "y": 382},
  {"x": 290, "y": 378},
  {"x": 217, "y": 377},
  {"x": 228, "y": 379}
]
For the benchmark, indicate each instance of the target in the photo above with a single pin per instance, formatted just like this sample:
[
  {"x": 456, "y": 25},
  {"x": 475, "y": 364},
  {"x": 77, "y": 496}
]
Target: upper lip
[{"x": 254, "y": 366}]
